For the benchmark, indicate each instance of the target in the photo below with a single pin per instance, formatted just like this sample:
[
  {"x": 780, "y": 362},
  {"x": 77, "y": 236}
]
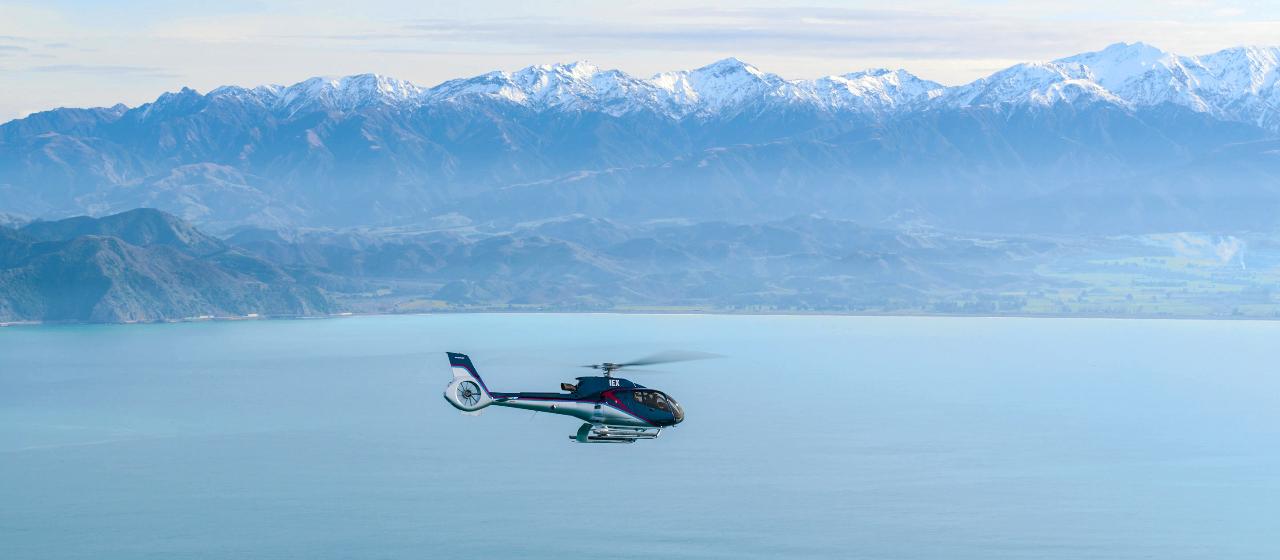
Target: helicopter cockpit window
[{"x": 653, "y": 399}]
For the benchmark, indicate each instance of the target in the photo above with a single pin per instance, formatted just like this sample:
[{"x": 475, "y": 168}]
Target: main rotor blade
[{"x": 670, "y": 356}]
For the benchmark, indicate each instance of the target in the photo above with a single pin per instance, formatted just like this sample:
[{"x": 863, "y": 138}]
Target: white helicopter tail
[{"x": 467, "y": 392}]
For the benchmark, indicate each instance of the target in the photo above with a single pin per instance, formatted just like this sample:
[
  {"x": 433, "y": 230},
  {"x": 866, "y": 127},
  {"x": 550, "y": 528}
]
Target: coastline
[{"x": 656, "y": 311}]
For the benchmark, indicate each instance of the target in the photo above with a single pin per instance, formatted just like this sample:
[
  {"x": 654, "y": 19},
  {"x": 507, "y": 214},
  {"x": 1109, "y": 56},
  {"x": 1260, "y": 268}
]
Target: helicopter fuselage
[
  {"x": 613, "y": 409},
  {"x": 611, "y": 401}
]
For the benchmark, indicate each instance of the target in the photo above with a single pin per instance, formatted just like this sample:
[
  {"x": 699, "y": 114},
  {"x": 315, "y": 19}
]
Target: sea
[{"x": 811, "y": 437}]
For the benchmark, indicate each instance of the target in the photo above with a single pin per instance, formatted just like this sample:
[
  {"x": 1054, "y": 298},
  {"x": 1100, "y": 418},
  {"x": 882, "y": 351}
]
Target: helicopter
[{"x": 613, "y": 410}]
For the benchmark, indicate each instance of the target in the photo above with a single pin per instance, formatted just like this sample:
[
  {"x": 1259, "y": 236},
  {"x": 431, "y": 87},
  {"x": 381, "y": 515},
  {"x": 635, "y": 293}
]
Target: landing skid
[{"x": 600, "y": 433}]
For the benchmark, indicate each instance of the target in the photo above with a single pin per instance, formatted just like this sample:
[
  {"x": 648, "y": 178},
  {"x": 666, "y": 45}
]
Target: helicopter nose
[{"x": 677, "y": 414}]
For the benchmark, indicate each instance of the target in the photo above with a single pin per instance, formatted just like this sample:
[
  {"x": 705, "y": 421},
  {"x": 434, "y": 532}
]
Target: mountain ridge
[
  {"x": 144, "y": 265},
  {"x": 141, "y": 265},
  {"x": 1122, "y": 73},
  {"x": 723, "y": 140}
]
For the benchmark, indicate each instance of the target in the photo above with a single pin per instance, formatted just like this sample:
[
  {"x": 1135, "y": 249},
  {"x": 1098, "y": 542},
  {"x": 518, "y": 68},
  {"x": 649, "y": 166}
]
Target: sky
[{"x": 78, "y": 53}]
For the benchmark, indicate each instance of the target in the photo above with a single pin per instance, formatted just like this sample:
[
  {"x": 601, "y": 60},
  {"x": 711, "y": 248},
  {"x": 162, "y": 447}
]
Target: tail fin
[{"x": 467, "y": 392}]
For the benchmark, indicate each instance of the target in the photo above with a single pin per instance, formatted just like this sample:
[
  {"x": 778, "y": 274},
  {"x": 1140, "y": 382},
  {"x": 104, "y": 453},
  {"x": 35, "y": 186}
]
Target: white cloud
[{"x": 105, "y": 70}]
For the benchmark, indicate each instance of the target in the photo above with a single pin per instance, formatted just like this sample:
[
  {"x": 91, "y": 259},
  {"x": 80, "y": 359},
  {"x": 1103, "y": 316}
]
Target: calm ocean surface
[{"x": 861, "y": 437}]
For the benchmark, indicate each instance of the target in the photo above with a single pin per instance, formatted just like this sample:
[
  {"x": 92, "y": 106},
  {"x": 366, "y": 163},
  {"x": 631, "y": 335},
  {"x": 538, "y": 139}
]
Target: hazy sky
[{"x": 84, "y": 53}]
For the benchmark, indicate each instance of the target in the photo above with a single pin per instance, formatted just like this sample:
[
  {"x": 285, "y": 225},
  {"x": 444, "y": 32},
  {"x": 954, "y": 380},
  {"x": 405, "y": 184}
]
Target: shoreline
[{"x": 658, "y": 311}]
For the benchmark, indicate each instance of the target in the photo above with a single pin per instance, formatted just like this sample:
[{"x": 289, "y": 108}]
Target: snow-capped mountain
[
  {"x": 878, "y": 91},
  {"x": 1239, "y": 84},
  {"x": 723, "y": 86},
  {"x": 1035, "y": 83},
  {"x": 727, "y": 139},
  {"x": 345, "y": 94},
  {"x": 1236, "y": 84},
  {"x": 1140, "y": 75},
  {"x": 578, "y": 86}
]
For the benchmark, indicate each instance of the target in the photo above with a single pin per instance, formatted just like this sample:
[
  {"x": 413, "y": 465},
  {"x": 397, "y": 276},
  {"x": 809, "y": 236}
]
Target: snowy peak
[
  {"x": 731, "y": 70},
  {"x": 893, "y": 79},
  {"x": 1236, "y": 84},
  {"x": 578, "y": 71},
  {"x": 877, "y": 91},
  {"x": 572, "y": 86},
  {"x": 1243, "y": 70},
  {"x": 1119, "y": 63},
  {"x": 580, "y": 86},
  {"x": 1241, "y": 84},
  {"x": 1140, "y": 74},
  {"x": 346, "y": 94},
  {"x": 1034, "y": 83},
  {"x": 492, "y": 84},
  {"x": 722, "y": 86},
  {"x": 184, "y": 101},
  {"x": 322, "y": 94},
  {"x": 555, "y": 82},
  {"x": 263, "y": 97}
]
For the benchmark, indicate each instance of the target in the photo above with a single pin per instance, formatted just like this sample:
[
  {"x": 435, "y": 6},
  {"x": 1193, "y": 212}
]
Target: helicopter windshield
[{"x": 659, "y": 401}]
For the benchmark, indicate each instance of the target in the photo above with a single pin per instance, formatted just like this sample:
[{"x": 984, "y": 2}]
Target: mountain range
[
  {"x": 147, "y": 265},
  {"x": 1129, "y": 139},
  {"x": 141, "y": 265}
]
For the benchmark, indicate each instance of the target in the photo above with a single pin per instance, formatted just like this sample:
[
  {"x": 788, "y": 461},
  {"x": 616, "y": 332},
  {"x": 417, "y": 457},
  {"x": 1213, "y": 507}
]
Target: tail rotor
[{"x": 467, "y": 392}]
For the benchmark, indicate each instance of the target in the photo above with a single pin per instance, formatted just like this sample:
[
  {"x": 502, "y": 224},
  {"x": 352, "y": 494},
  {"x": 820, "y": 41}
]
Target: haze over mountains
[
  {"x": 1125, "y": 181},
  {"x": 141, "y": 265},
  {"x": 145, "y": 265},
  {"x": 1129, "y": 139}
]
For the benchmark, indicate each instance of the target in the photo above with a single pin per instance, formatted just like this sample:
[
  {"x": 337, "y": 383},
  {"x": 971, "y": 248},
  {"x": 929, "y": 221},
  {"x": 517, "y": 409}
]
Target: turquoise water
[{"x": 864, "y": 437}]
